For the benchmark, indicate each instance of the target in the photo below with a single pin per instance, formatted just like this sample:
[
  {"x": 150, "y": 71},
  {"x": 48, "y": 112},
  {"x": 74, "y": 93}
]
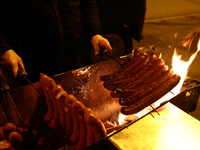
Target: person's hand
[
  {"x": 10, "y": 63},
  {"x": 98, "y": 41}
]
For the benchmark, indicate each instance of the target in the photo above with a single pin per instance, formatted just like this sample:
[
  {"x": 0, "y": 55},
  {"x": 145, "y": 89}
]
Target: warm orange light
[
  {"x": 121, "y": 119},
  {"x": 179, "y": 67}
]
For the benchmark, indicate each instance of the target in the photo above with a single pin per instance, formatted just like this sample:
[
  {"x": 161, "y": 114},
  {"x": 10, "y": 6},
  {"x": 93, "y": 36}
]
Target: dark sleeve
[
  {"x": 4, "y": 46},
  {"x": 90, "y": 18},
  {"x": 3, "y": 42}
]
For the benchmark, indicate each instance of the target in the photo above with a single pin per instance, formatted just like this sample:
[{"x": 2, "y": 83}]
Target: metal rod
[
  {"x": 7, "y": 92},
  {"x": 33, "y": 86},
  {"x": 3, "y": 113},
  {"x": 114, "y": 59},
  {"x": 172, "y": 92},
  {"x": 157, "y": 112},
  {"x": 152, "y": 115},
  {"x": 22, "y": 74}
]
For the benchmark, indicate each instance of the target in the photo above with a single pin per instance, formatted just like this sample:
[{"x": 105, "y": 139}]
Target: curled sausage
[
  {"x": 145, "y": 77},
  {"x": 80, "y": 110},
  {"x": 59, "y": 95},
  {"x": 95, "y": 125},
  {"x": 122, "y": 74},
  {"x": 139, "y": 84},
  {"x": 54, "y": 123},
  {"x": 128, "y": 73},
  {"x": 137, "y": 73},
  {"x": 44, "y": 80},
  {"x": 115, "y": 75},
  {"x": 148, "y": 89},
  {"x": 151, "y": 98},
  {"x": 76, "y": 125}
]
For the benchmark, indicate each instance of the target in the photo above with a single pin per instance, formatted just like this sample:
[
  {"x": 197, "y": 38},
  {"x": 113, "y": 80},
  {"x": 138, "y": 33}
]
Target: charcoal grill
[{"x": 85, "y": 85}]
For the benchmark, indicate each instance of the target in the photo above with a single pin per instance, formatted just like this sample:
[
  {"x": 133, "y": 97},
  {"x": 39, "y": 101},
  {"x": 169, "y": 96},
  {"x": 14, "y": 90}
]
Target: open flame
[{"x": 179, "y": 67}]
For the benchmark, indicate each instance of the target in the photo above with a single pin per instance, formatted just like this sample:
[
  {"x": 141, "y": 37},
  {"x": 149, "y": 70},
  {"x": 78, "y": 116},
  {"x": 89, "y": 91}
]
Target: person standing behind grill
[{"x": 46, "y": 35}]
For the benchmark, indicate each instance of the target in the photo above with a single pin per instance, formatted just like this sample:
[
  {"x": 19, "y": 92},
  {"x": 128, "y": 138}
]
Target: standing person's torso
[{"x": 38, "y": 29}]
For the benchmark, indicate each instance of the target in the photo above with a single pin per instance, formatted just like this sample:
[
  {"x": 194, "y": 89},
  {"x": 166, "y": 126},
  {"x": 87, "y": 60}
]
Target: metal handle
[
  {"x": 23, "y": 75},
  {"x": 105, "y": 52}
]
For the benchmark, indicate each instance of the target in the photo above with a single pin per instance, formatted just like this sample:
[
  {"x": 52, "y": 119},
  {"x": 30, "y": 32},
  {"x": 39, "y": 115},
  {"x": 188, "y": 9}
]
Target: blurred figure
[{"x": 46, "y": 36}]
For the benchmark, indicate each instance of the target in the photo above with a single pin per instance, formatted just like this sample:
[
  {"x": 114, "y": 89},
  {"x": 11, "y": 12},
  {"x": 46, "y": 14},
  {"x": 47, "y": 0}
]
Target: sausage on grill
[{"x": 151, "y": 98}]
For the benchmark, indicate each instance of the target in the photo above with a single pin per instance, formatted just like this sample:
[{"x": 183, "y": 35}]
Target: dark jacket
[{"x": 45, "y": 33}]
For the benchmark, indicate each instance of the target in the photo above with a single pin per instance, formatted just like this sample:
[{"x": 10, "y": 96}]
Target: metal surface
[
  {"x": 25, "y": 99},
  {"x": 181, "y": 131},
  {"x": 86, "y": 85}
]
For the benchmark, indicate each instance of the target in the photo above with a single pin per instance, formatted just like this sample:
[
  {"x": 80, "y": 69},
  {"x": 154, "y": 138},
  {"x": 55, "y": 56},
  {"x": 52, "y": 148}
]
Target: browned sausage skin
[
  {"x": 137, "y": 53},
  {"x": 76, "y": 125},
  {"x": 148, "y": 89},
  {"x": 80, "y": 110},
  {"x": 151, "y": 98},
  {"x": 79, "y": 124},
  {"x": 122, "y": 74},
  {"x": 139, "y": 84},
  {"x": 58, "y": 94},
  {"x": 46, "y": 88},
  {"x": 95, "y": 125}
]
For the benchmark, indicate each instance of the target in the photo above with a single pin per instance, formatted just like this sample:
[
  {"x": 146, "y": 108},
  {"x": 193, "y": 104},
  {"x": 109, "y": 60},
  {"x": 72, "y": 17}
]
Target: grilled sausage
[
  {"x": 76, "y": 126},
  {"x": 95, "y": 125},
  {"x": 44, "y": 79},
  {"x": 79, "y": 110},
  {"x": 54, "y": 123},
  {"x": 58, "y": 94},
  {"x": 154, "y": 96},
  {"x": 146, "y": 65},
  {"x": 139, "y": 84},
  {"x": 68, "y": 117},
  {"x": 121, "y": 74},
  {"x": 148, "y": 89},
  {"x": 158, "y": 65},
  {"x": 128, "y": 73},
  {"x": 115, "y": 75}
]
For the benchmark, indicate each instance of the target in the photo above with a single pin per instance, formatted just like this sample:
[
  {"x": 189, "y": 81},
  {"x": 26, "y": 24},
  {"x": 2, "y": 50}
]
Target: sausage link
[
  {"x": 145, "y": 77},
  {"x": 121, "y": 74},
  {"x": 164, "y": 89},
  {"x": 54, "y": 123},
  {"x": 80, "y": 110},
  {"x": 44, "y": 79},
  {"x": 105, "y": 78},
  {"x": 132, "y": 77},
  {"x": 68, "y": 116},
  {"x": 148, "y": 89},
  {"x": 139, "y": 84},
  {"x": 76, "y": 126},
  {"x": 95, "y": 125},
  {"x": 59, "y": 93}
]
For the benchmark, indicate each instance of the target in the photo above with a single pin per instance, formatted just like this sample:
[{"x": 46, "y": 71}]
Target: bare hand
[
  {"x": 10, "y": 63},
  {"x": 98, "y": 41}
]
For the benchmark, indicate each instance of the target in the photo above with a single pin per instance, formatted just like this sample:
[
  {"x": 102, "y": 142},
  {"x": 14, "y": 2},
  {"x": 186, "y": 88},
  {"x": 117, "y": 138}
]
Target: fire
[{"x": 179, "y": 67}]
